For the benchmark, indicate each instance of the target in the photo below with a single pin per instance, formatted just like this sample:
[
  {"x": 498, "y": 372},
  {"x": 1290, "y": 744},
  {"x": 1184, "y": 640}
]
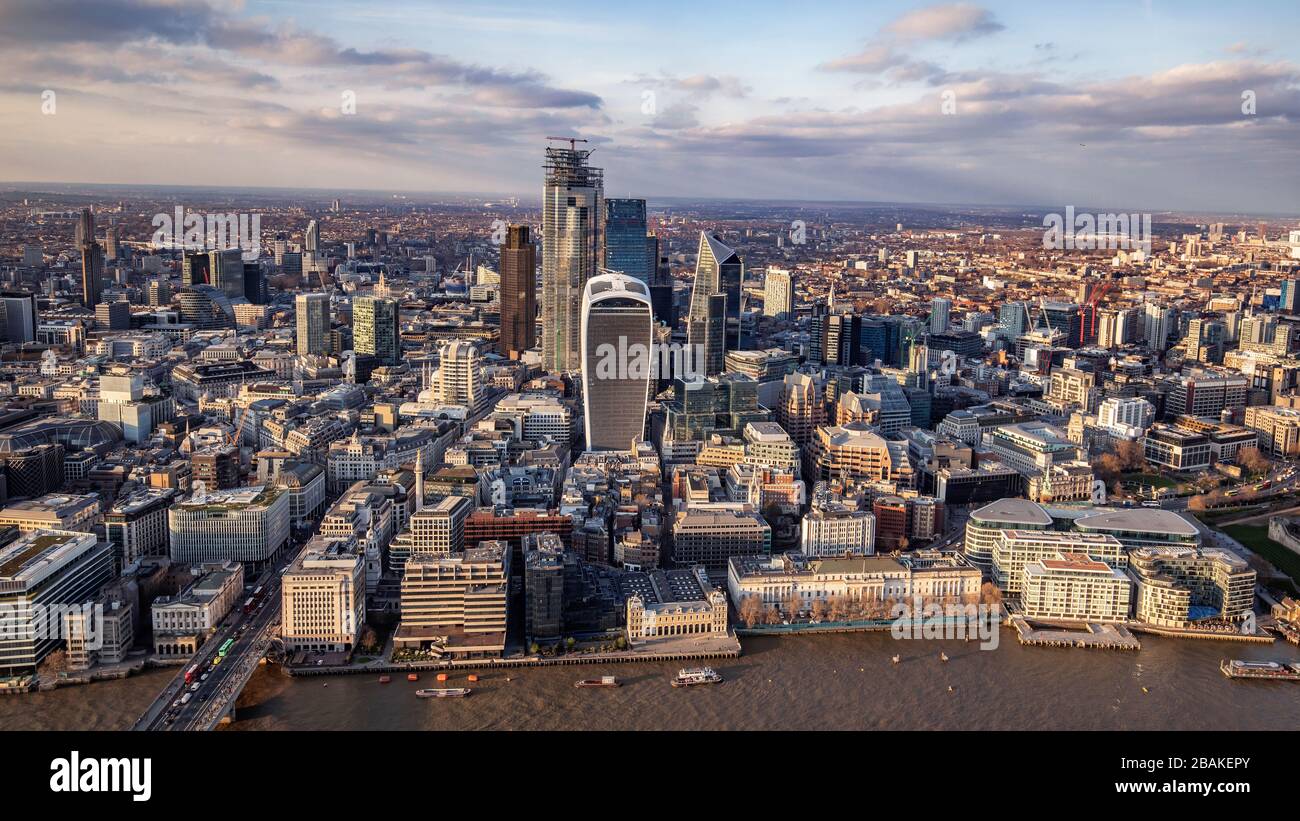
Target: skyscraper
[
  {"x": 313, "y": 316},
  {"x": 226, "y": 271},
  {"x": 617, "y": 328},
  {"x": 518, "y": 292},
  {"x": 778, "y": 294},
  {"x": 625, "y": 239},
  {"x": 572, "y": 214},
  {"x": 718, "y": 271},
  {"x": 940, "y": 314},
  {"x": 92, "y": 259},
  {"x": 194, "y": 269},
  {"x": 375, "y": 329},
  {"x": 460, "y": 375},
  {"x": 311, "y": 239}
]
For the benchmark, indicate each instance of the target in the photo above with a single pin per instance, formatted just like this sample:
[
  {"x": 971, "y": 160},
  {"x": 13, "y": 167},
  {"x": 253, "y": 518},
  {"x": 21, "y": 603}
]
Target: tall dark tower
[
  {"x": 92, "y": 259},
  {"x": 518, "y": 292}
]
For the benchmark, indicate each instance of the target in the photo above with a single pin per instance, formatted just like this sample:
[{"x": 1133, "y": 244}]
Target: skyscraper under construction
[{"x": 572, "y": 247}]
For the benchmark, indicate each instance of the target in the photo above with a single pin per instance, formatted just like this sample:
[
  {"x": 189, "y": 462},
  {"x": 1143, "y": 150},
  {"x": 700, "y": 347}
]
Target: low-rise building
[
  {"x": 181, "y": 623},
  {"x": 1075, "y": 587},
  {"x": 667, "y": 604}
]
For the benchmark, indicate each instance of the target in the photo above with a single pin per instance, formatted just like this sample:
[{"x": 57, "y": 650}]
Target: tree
[
  {"x": 770, "y": 615},
  {"x": 819, "y": 609},
  {"x": 1253, "y": 460},
  {"x": 838, "y": 608},
  {"x": 1130, "y": 455},
  {"x": 1108, "y": 467},
  {"x": 793, "y": 604},
  {"x": 751, "y": 610},
  {"x": 990, "y": 594}
]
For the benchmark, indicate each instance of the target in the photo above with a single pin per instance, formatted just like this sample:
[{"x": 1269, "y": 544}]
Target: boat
[
  {"x": 603, "y": 681},
  {"x": 691, "y": 676},
  {"x": 1277, "y": 671},
  {"x": 443, "y": 692},
  {"x": 894, "y": 659},
  {"x": 412, "y": 677},
  {"x": 943, "y": 656},
  {"x": 472, "y": 678},
  {"x": 385, "y": 679},
  {"x": 442, "y": 677}
]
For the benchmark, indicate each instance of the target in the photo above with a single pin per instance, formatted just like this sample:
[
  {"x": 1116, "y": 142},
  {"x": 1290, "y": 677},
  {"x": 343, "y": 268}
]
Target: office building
[
  {"x": 838, "y": 530},
  {"x": 247, "y": 525},
  {"x": 573, "y": 213},
  {"x": 714, "y": 325},
  {"x": 518, "y": 293},
  {"x": 668, "y": 604},
  {"x": 626, "y": 241},
  {"x": 1075, "y": 587},
  {"x": 376, "y": 329},
  {"x": 323, "y": 597},
  {"x": 617, "y": 350},
  {"x": 181, "y": 623},
  {"x": 44, "y": 573},
  {"x": 312, "y": 313},
  {"x": 459, "y": 379},
  {"x": 136, "y": 525},
  {"x": 456, "y": 603},
  {"x": 710, "y": 537},
  {"x": 778, "y": 294}
]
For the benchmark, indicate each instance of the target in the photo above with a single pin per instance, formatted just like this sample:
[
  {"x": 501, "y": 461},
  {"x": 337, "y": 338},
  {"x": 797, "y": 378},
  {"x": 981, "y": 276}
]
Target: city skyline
[{"x": 851, "y": 111}]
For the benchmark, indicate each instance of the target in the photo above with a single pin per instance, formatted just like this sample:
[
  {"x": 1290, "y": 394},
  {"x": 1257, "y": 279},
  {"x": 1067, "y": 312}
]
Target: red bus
[
  {"x": 248, "y": 606},
  {"x": 191, "y": 674}
]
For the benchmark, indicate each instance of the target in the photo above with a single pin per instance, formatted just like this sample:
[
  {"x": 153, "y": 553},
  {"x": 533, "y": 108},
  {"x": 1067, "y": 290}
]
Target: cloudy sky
[{"x": 1107, "y": 104}]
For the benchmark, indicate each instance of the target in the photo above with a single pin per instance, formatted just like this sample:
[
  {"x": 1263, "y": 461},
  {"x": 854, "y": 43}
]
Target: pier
[{"x": 1102, "y": 636}]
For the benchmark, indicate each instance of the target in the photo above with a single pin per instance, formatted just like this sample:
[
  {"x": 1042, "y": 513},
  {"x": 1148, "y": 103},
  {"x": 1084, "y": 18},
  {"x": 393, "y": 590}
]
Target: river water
[{"x": 843, "y": 681}]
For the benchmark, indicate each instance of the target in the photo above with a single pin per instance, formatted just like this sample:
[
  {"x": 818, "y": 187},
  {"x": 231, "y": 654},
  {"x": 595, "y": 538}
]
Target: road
[{"x": 219, "y": 685}]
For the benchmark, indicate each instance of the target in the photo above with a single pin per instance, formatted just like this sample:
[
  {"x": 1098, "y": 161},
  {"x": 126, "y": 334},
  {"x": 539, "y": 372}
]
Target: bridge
[{"x": 254, "y": 635}]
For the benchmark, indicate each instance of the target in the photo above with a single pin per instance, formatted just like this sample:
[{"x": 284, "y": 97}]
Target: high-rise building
[
  {"x": 459, "y": 380},
  {"x": 802, "y": 408},
  {"x": 376, "y": 330},
  {"x": 518, "y": 293},
  {"x": 313, "y": 315},
  {"x": 18, "y": 316},
  {"x": 1159, "y": 325},
  {"x": 625, "y": 239},
  {"x": 617, "y": 337},
  {"x": 719, "y": 271},
  {"x": 778, "y": 294},
  {"x": 311, "y": 238},
  {"x": 940, "y": 314},
  {"x": 457, "y": 601},
  {"x": 226, "y": 271},
  {"x": 194, "y": 269},
  {"x": 572, "y": 216},
  {"x": 255, "y": 283},
  {"x": 92, "y": 259}
]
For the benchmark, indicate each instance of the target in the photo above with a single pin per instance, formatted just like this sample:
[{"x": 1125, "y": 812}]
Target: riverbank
[{"x": 685, "y": 648}]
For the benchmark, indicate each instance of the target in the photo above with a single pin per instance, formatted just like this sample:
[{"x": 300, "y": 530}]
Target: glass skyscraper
[
  {"x": 718, "y": 270},
  {"x": 617, "y": 334},
  {"x": 573, "y": 211},
  {"x": 626, "y": 240},
  {"x": 376, "y": 329}
]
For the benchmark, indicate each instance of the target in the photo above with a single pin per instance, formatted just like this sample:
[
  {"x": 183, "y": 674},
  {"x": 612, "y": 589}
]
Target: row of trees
[{"x": 753, "y": 611}]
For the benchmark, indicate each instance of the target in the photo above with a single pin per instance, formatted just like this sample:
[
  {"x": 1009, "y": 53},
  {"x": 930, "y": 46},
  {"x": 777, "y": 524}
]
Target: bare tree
[
  {"x": 751, "y": 610},
  {"x": 819, "y": 609}
]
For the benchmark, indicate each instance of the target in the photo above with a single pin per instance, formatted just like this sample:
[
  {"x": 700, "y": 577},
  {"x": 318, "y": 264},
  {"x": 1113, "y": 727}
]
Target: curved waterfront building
[
  {"x": 986, "y": 525},
  {"x": 617, "y": 335}
]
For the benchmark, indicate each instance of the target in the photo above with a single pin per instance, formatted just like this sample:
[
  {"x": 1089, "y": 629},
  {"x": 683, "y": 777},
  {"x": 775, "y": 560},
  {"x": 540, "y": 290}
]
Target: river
[{"x": 843, "y": 681}]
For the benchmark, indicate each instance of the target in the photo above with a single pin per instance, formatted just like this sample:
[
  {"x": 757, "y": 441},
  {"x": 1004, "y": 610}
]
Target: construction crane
[
  {"x": 572, "y": 141},
  {"x": 234, "y": 439},
  {"x": 1088, "y": 310}
]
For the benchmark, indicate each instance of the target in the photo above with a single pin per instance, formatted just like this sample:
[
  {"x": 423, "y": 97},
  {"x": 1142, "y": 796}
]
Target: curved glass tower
[{"x": 617, "y": 336}]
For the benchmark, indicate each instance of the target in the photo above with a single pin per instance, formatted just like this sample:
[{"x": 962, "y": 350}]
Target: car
[{"x": 204, "y": 677}]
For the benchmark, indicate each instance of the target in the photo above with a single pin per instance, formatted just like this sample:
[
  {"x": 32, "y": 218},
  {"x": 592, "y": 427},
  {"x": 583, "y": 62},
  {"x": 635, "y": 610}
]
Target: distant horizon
[{"x": 8, "y": 187}]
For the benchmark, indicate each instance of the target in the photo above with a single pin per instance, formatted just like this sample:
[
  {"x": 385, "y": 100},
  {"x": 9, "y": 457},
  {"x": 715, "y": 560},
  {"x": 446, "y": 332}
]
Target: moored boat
[
  {"x": 412, "y": 677},
  {"x": 603, "y": 681},
  {"x": 1276, "y": 671},
  {"x": 385, "y": 679},
  {"x": 443, "y": 692},
  {"x": 692, "y": 676}
]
